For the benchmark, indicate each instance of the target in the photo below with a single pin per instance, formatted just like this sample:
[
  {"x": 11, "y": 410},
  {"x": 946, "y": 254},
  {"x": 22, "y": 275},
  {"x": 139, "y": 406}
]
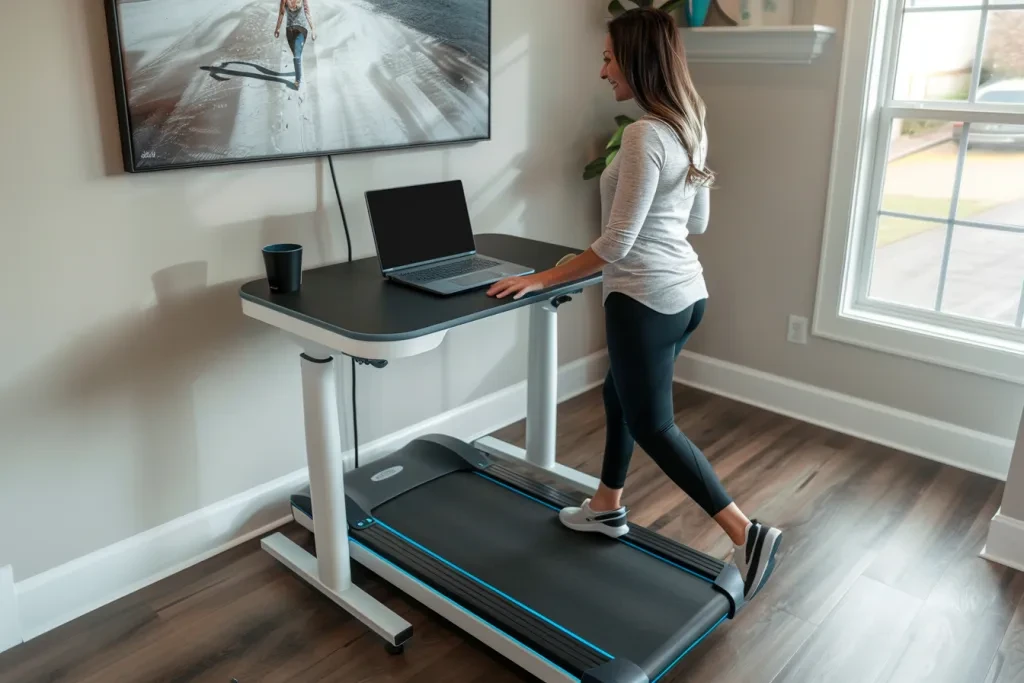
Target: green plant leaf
[
  {"x": 644, "y": 3},
  {"x": 673, "y": 5},
  {"x": 622, "y": 120},
  {"x": 616, "y": 140},
  {"x": 594, "y": 168},
  {"x": 611, "y": 157},
  {"x": 615, "y": 8}
]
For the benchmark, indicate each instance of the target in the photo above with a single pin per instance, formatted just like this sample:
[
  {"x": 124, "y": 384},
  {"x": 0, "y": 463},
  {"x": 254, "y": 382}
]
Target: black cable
[
  {"x": 348, "y": 243},
  {"x": 341, "y": 207}
]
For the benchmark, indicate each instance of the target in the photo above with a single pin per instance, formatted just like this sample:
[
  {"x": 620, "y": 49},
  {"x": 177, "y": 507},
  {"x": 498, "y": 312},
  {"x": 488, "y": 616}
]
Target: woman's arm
[
  {"x": 280, "y": 18},
  {"x": 700, "y": 212},
  {"x": 577, "y": 268},
  {"x": 309, "y": 18},
  {"x": 640, "y": 159}
]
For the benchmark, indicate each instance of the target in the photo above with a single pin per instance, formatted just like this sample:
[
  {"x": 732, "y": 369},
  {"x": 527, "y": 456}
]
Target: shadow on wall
[
  {"x": 146, "y": 361},
  {"x": 126, "y": 398}
]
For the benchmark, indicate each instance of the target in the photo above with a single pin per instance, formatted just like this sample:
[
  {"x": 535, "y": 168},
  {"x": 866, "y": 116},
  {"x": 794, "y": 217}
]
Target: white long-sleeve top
[{"x": 648, "y": 212}]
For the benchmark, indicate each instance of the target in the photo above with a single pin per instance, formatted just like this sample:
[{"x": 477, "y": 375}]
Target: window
[{"x": 924, "y": 241}]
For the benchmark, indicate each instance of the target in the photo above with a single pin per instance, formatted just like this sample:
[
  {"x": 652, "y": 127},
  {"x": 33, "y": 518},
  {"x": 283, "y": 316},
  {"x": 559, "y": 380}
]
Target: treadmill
[{"x": 482, "y": 545}]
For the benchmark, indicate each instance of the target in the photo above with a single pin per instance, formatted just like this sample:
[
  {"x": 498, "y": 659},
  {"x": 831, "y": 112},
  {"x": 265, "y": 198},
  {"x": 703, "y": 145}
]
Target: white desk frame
[{"x": 330, "y": 570}]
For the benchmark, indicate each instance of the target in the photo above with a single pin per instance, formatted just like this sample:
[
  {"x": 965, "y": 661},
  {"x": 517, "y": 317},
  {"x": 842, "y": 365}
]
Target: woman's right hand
[{"x": 277, "y": 33}]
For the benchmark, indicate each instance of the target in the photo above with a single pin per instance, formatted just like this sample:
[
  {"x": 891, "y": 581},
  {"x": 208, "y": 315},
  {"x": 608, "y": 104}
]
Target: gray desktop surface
[{"x": 357, "y": 302}]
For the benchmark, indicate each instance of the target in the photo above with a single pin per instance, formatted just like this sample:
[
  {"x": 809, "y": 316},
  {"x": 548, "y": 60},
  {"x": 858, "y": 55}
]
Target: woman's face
[{"x": 612, "y": 73}]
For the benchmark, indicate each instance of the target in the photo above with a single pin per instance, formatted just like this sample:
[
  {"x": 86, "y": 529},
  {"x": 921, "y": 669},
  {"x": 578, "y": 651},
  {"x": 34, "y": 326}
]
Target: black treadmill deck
[
  {"x": 490, "y": 540},
  {"x": 618, "y": 600}
]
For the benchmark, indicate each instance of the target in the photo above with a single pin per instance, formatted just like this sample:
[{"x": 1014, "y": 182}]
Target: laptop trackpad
[{"x": 475, "y": 278}]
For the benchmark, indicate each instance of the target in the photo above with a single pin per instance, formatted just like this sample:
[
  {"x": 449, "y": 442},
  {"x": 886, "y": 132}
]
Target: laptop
[{"x": 424, "y": 239}]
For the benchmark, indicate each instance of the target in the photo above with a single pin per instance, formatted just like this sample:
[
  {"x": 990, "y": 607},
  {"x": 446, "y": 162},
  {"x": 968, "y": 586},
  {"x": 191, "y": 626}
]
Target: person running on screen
[{"x": 299, "y": 26}]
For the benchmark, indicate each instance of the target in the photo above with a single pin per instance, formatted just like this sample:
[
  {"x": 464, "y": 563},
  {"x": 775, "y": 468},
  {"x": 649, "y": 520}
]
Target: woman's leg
[
  {"x": 618, "y": 450},
  {"x": 731, "y": 519},
  {"x": 300, "y": 42},
  {"x": 642, "y": 347},
  {"x": 296, "y": 41},
  {"x": 604, "y": 512}
]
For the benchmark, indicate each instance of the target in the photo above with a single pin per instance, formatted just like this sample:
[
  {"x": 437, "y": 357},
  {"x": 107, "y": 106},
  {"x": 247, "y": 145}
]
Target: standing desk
[{"x": 350, "y": 309}]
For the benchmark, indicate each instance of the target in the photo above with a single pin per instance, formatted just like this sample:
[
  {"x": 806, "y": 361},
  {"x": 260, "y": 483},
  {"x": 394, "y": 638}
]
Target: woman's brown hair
[{"x": 650, "y": 53}]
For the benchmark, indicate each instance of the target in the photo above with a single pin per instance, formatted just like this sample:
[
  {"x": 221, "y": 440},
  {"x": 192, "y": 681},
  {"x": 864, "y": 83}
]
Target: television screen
[{"x": 204, "y": 82}]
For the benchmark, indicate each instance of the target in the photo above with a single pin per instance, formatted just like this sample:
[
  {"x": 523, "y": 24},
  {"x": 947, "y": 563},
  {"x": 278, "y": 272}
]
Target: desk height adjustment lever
[
  {"x": 559, "y": 300},
  {"x": 368, "y": 361}
]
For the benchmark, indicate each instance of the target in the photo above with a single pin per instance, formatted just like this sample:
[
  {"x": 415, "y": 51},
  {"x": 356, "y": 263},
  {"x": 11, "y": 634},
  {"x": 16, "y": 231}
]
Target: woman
[
  {"x": 300, "y": 24},
  {"x": 654, "y": 194}
]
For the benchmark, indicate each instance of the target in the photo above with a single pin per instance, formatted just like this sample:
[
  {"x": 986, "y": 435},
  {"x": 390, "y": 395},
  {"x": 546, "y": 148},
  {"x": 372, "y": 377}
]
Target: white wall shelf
[{"x": 756, "y": 44}]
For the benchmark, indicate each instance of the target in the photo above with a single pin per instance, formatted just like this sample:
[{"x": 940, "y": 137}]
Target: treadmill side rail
[
  {"x": 730, "y": 583},
  {"x": 529, "y": 629},
  {"x": 616, "y": 671}
]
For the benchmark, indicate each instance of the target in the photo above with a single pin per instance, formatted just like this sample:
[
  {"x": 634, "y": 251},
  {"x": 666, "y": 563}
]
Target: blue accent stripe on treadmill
[
  {"x": 515, "y": 490},
  {"x": 687, "y": 650},
  {"x": 462, "y": 609},
  {"x": 621, "y": 540},
  {"x": 488, "y": 586},
  {"x": 666, "y": 561}
]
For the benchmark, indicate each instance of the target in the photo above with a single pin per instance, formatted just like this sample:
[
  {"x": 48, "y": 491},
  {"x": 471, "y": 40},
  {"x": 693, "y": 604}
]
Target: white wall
[
  {"x": 132, "y": 389},
  {"x": 770, "y": 133}
]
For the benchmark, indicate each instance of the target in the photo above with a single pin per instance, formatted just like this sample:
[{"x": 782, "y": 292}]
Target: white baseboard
[
  {"x": 10, "y": 625},
  {"x": 940, "y": 441},
  {"x": 1005, "y": 543},
  {"x": 56, "y": 596},
  {"x": 59, "y": 595}
]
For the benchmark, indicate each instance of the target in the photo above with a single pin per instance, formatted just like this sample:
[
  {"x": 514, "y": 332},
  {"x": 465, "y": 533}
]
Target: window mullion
[
  {"x": 871, "y": 216},
  {"x": 959, "y": 111},
  {"x": 979, "y": 52},
  {"x": 961, "y": 157},
  {"x": 1020, "y": 306},
  {"x": 864, "y": 260},
  {"x": 891, "y": 52},
  {"x": 924, "y": 9}
]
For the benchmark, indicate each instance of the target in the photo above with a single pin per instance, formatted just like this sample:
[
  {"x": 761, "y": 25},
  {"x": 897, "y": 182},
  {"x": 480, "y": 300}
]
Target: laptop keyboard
[{"x": 447, "y": 270}]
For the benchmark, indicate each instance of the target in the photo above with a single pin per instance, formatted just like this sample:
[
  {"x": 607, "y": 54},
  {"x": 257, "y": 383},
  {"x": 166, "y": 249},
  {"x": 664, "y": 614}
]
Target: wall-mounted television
[{"x": 202, "y": 82}]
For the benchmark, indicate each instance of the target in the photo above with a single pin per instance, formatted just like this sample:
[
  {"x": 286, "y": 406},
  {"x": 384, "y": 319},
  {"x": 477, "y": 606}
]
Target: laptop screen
[{"x": 419, "y": 223}]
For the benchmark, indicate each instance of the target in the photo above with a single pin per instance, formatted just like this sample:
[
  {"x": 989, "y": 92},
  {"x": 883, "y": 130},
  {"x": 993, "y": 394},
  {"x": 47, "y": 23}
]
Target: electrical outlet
[{"x": 797, "y": 333}]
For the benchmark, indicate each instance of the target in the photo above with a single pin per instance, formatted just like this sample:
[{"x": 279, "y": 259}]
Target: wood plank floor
[{"x": 878, "y": 581}]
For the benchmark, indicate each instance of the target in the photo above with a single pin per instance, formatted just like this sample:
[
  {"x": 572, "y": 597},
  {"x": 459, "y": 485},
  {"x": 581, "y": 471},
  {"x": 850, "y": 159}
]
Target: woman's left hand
[
  {"x": 313, "y": 36},
  {"x": 519, "y": 286}
]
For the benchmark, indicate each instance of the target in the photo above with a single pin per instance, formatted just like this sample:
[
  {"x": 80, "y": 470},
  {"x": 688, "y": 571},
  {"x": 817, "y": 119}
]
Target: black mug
[{"x": 284, "y": 267}]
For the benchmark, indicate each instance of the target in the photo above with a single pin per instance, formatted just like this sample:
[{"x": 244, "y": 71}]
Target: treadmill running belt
[{"x": 619, "y": 599}]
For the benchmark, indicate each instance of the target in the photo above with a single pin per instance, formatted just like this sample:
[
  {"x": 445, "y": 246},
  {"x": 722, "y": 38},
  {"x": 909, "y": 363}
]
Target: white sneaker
[
  {"x": 611, "y": 523},
  {"x": 756, "y": 558}
]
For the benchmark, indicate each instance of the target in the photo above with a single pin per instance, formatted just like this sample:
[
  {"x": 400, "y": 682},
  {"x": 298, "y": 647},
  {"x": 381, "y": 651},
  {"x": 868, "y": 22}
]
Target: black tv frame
[{"x": 125, "y": 126}]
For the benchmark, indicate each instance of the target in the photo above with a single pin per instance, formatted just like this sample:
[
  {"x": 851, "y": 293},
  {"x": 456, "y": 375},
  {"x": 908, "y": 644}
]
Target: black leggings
[{"x": 642, "y": 347}]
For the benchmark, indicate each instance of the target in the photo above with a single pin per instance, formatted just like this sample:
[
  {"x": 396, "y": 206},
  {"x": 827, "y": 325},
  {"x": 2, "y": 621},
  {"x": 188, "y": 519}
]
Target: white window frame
[{"x": 843, "y": 311}]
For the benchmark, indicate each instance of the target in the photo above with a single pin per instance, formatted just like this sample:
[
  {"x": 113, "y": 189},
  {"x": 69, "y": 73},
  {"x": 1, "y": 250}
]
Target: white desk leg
[
  {"x": 326, "y": 471},
  {"x": 541, "y": 406},
  {"x": 330, "y": 571},
  {"x": 542, "y": 386}
]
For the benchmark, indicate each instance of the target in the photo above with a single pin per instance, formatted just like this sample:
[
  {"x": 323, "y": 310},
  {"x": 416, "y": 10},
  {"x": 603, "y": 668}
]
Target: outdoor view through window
[{"x": 949, "y": 236}]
